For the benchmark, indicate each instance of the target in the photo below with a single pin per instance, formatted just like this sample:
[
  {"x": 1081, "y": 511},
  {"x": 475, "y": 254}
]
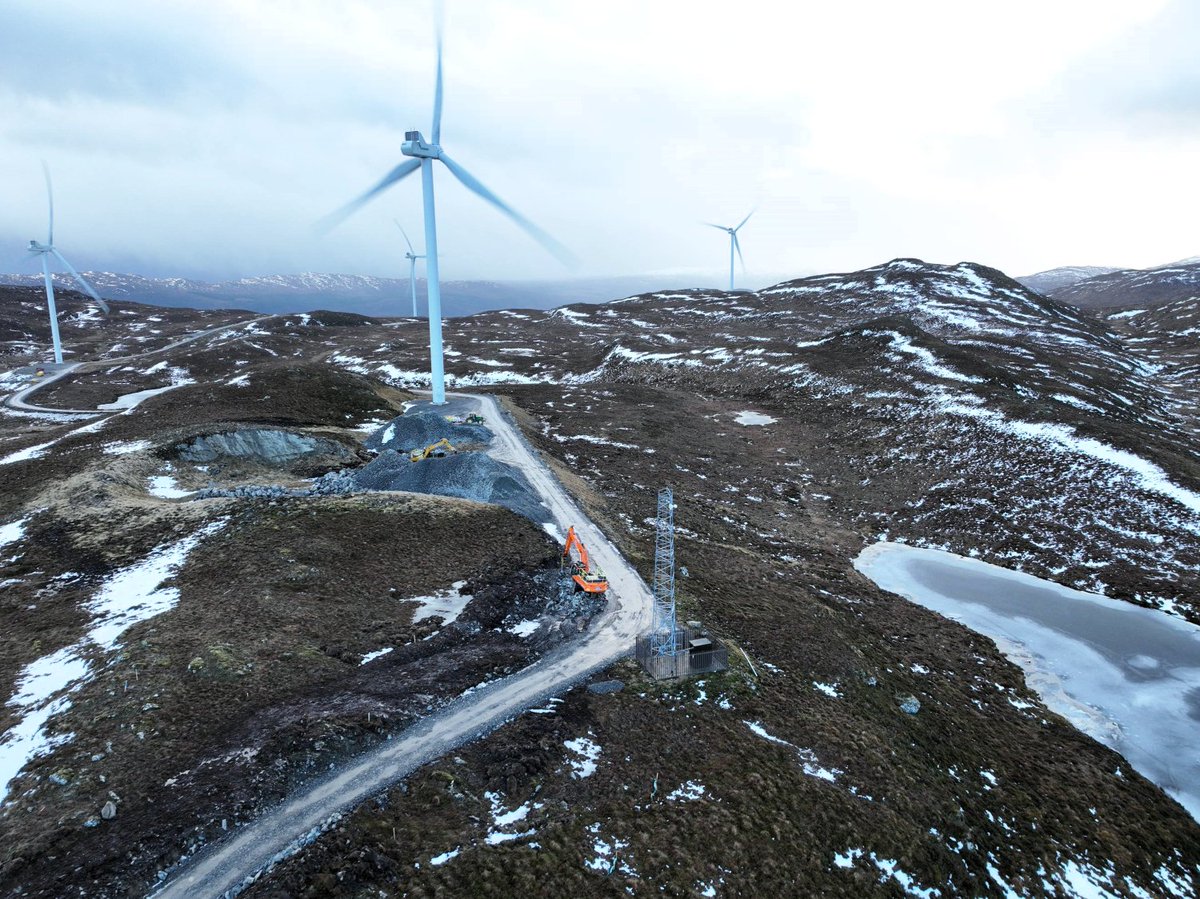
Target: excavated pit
[
  {"x": 468, "y": 474},
  {"x": 269, "y": 446}
]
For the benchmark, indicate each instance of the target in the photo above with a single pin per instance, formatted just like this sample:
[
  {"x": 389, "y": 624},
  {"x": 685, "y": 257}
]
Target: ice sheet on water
[{"x": 1121, "y": 673}]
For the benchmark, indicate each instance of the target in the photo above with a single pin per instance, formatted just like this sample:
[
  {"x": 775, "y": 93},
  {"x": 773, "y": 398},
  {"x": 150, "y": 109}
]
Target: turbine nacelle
[
  {"x": 415, "y": 145},
  {"x": 35, "y": 247}
]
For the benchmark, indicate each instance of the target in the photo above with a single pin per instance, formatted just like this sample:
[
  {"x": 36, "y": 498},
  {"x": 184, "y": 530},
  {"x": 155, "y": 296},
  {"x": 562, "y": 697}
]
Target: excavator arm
[
  {"x": 574, "y": 541},
  {"x": 419, "y": 455}
]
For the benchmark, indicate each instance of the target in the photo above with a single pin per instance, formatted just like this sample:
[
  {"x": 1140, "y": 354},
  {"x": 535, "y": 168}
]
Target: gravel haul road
[{"x": 227, "y": 867}]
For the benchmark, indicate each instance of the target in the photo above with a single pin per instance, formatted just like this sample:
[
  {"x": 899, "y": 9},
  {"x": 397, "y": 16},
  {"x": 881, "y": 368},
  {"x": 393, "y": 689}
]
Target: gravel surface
[
  {"x": 416, "y": 429},
  {"x": 466, "y": 475}
]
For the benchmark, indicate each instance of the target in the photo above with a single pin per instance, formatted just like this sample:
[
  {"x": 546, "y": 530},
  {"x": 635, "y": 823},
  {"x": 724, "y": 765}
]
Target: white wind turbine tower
[
  {"x": 46, "y": 250},
  {"x": 733, "y": 243},
  {"x": 424, "y": 154},
  {"x": 412, "y": 258}
]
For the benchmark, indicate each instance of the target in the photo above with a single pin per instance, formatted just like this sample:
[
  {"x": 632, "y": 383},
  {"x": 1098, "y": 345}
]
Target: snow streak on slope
[{"x": 128, "y": 597}]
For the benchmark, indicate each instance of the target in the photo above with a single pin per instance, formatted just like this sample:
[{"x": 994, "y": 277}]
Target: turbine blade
[
  {"x": 403, "y": 170},
  {"x": 472, "y": 183},
  {"x": 87, "y": 288},
  {"x": 738, "y": 246},
  {"x": 746, "y": 219},
  {"x": 405, "y": 233},
  {"x": 50, "y": 200},
  {"x": 718, "y": 227},
  {"x": 436, "y": 132}
]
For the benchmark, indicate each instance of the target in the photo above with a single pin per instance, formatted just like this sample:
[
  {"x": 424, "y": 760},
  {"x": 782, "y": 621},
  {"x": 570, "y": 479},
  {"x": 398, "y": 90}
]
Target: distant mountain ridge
[
  {"x": 1134, "y": 288},
  {"x": 1054, "y": 279},
  {"x": 1098, "y": 287},
  {"x": 362, "y": 294}
]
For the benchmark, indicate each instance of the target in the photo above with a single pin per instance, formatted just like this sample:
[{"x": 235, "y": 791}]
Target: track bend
[
  {"x": 227, "y": 867},
  {"x": 17, "y": 401}
]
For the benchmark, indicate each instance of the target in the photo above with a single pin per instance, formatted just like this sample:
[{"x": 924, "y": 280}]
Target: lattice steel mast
[{"x": 663, "y": 639}]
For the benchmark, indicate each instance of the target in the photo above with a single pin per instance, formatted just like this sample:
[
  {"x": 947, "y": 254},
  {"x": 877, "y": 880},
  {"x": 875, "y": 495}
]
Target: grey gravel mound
[
  {"x": 418, "y": 428},
  {"x": 474, "y": 476}
]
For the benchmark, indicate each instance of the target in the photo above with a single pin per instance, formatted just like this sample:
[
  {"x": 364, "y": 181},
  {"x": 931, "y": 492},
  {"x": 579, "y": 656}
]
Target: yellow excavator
[{"x": 442, "y": 448}]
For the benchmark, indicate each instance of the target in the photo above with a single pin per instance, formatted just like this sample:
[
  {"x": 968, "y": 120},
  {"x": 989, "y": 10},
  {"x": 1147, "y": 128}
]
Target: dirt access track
[
  {"x": 17, "y": 401},
  {"x": 229, "y": 866}
]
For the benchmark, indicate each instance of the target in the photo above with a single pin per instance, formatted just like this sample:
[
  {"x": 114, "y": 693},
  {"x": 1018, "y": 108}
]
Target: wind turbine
[
  {"x": 412, "y": 258},
  {"x": 424, "y": 153},
  {"x": 733, "y": 243},
  {"x": 46, "y": 250}
]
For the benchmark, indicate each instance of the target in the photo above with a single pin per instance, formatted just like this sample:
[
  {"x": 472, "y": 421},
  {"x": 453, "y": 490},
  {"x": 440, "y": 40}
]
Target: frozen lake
[{"x": 1128, "y": 677}]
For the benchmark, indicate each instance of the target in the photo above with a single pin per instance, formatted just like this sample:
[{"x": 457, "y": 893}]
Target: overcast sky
[{"x": 205, "y": 139}]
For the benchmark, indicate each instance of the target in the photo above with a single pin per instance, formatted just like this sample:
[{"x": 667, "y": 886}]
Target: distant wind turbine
[
  {"x": 733, "y": 243},
  {"x": 424, "y": 154},
  {"x": 46, "y": 250},
  {"x": 412, "y": 258}
]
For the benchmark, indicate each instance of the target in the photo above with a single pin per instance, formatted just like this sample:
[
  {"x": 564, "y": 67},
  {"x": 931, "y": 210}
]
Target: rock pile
[
  {"x": 474, "y": 476},
  {"x": 419, "y": 428}
]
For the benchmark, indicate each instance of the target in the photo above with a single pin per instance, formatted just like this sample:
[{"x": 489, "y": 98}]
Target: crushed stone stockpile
[
  {"x": 418, "y": 429},
  {"x": 466, "y": 475}
]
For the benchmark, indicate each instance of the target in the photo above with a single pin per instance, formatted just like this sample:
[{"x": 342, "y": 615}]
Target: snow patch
[
  {"x": 128, "y": 597},
  {"x": 586, "y": 752},
  {"x": 688, "y": 792},
  {"x": 166, "y": 487},
  {"x": 447, "y": 605},
  {"x": 746, "y": 417},
  {"x": 525, "y": 628}
]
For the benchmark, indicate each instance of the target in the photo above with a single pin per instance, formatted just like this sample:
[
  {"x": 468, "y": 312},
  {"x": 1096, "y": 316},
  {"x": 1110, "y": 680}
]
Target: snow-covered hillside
[
  {"x": 995, "y": 412},
  {"x": 1134, "y": 288}
]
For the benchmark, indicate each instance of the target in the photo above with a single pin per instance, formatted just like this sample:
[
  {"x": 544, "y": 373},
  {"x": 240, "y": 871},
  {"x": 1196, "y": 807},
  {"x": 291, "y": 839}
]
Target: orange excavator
[{"x": 586, "y": 579}]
